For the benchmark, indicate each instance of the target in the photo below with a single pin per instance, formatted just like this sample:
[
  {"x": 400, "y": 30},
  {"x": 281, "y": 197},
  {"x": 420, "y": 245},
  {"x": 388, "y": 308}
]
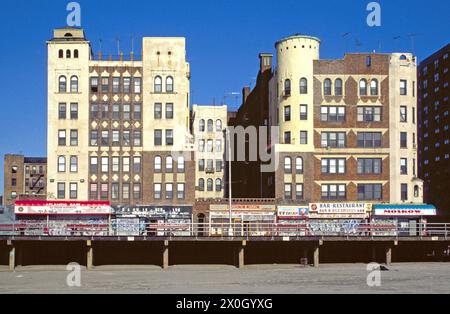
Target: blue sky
[{"x": 223, "y": 42}]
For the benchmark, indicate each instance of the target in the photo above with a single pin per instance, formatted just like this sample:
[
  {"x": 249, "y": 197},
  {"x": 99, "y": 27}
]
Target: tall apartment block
[
  {"x": 24, "y": 178},
  {"x": 347, "y": 128},
  {"x": 119, "y": 130},
  {"x": 209, "y": 125},
  {"x": 434, "y": 135}
]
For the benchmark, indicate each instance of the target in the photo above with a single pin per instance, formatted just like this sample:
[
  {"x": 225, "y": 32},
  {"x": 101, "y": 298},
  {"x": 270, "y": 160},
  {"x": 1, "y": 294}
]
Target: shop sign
[
  {"x": 155, "y": 212},
  {"x": 292, "y": 212},
  {"x": 243, "y": 207},
  {"x": 340, "y": 210},
  {"x": 61, "y": 208},
  {"x": 409, "y": 212}
]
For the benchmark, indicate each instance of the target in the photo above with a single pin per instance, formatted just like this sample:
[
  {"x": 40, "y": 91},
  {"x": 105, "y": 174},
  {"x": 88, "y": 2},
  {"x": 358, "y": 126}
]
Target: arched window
[
  {"x": 403, "y": 57},
  {"x": 61, "y": 54},
  {"x": 416, "y": 191},
  {"x": 299, "y": 165},
  {"x": 61, "y": 164},
  {"x": 68, "y": 54},
  {"x": 76, "y": 54},
  {"x": 62, "y": 85},
  {"x": 210, "y": 126},
  {"x": 210, "y": 185},
  {"x": 303, "y": 86},
  {"x": 338, "y": 87},
  {"x": 363, "y": 87},
  {"x": 218, "y": 185},
  {"x": 287, "y": 165},
  {"x": 374, "y": 88},
  {"x": 201, "y": 185},
  {"x": 219, "y": 126},
  {"x": 287, "y": 87},
  {"x": 180, "y": 164},
  {"x": 169, "y": 84},
  {"x": 201, "y": 126},
  {"x": 327, "y": 87},
  {"x": 158, "y": 164},
  {"x": 74, "y": 84},
  {"x": 158, "y": 84},
  {"x": 169, "y": 164}
]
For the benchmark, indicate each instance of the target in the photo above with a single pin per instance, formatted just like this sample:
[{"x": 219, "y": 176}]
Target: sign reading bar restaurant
[
  {"x": 340, "y": 210},
  {"x": 155, "y": 211},
  {"x": 61, "y": 208}
]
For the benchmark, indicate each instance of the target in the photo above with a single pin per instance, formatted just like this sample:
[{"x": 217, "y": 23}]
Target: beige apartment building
[
  {"x": 209, "y": 124},
  {"x": 347, "y": 127},
  {"x": 119, "y": 128}
]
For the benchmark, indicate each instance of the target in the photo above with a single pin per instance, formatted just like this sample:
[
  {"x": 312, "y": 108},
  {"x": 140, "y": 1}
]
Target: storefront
[
  {"x": 59, "y": 218},
  {"x": 248, "y": 219},
  {"x": 292, "y": 220},
  {"x": 339, "y": 219},
  {"x": 402, "y": 220},
  {"x": 153, "y": 220}
]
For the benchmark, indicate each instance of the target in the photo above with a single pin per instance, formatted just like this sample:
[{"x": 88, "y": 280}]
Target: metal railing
[{"x": 223, "y": 230}]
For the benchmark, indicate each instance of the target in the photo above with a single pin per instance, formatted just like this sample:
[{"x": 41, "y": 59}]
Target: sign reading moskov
[
  {"x": 392, "y": 212},
  {"x": 61, "y": 208},
  {"x": 340, "y": 210}
]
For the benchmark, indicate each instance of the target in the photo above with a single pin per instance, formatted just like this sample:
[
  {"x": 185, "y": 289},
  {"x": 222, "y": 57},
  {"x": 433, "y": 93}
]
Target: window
[
  {"x": 169, "y": 164},
  {"x": 219, "y": 126},
  {"x": 105, "y": 111},
  {"x": 74, "y": 164},
  {"x": 137, "y": 138},
  {"x": 61, "y": 54},
  {"x": 201, "y": 185},
  {"x": 169, "y": 137},
  {"x": 403, "y": 87},
  {"x": 94, "y": 84},
  {"x": 62, "y": 87},
  {"x": 210, "y": 126},
  {"x": 137, "y": 112},
  {"x": 116, "y": 112},
  {"x": 126, "y": 164},
  {"x": 303, "y": 112},
  {"x": 169, "y": 111},
  {"x": 158, "y": 164},
  {"x": 368, "y": 61},
  {"x": 287, "y": 138},
  {"x": 414, "y": 115},
  {"x": 73, "y": 191},
  {"x": 62, "y": 138},
  {"x": 287, "y": 165},
  {"x": 13, "y": 182},
  {"x": 73, "y": 111},
  {"x": 115, "y": 164},
  {"x": 210, "y": 166},
  {"x": 287, "y": 113},
  {"x": 93, "y": 191},
  {"x": 202, "y": 125},
  {"x": 218, "y": 146},
  {"x": 61, "y": 190},
  {"x": 158, "y": 111},
  {"x": 327, "y": 87},
  {"x": 374, "y": 87},
  {"x": 105, "y": 85},
  {"x": 169, "y": 191},
  {"x": 303, "y": 86},
  {"x": 333, "y": 166},
  {"x": 158, "y": 138},
  {"x": 403, "y": 114},
  {"x": 93, "y": 165},
  {"x": 136, "y": 191},
  {"x": 127, "y": 85},
  {"x": 333, "y": 140},
  {"x": 180, "y": 191},
  {"x": 416, "y": 191},
  {"x": 126, "y": 111},
  {"x": 169, "y": 84},
  {"x": 105, "y": 164},
  {"x": 61, "y": 164},
  {"x": 369, "y": 139},
  {"x": 219, "y": 165},
  {"x": 62, "y": 109},
  {"x": 201, "y": 165},
  {"x": 363, "y": 87},
  {"x": 158, "y": 84},
  {"x": 74, "y": 84},
  {"x": 93, "y": 138},
  {"x": 115, "y": 138},
  {"x": 104, "y": 191},
  {"x": 76, "y": 54},
  {"x": 370, "y": 192},
  {"x": 94, "y": 111},
  {"x": 201, "y": 146},
  {"x": 288, "y": 191},
  {"x": 370, "y": 165},
  {"x": 218, "y": 185},
  {"x": 105, "y": 138},
  {"x": 210, "y": 185},
  {"x": 403, "y": 140},
  {"x": 299, "y": 192},
  {"x": 334, "y": 192},
  {"x": 180, "y": 164},
  {"x": 299, "y": 165},
  {"x": 338, "y": 87},
  {"x": 158, "y": 191},
  {"x": 303, "y": 137},
  {"x": 403, "y": 166},
  {"x": 116, "y": 85},
  {"x": 369, "y": 114},
  {"x": 404, "y": 192},
  {"x": 332, "y": 114},
  {"x": 137, "y": 85},
  {"x": 115, "y": 191},
  {"x": 287, "y": 88}
]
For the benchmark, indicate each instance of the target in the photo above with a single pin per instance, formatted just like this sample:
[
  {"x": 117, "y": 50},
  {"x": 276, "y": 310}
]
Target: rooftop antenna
[
  {"x": 118, "y": 45},
  {"x": 344, "y": 36},
  {"x": 132, "y": 43},
  {"x": 413, "y": 36},
  {"x": 358, "y": 44}
]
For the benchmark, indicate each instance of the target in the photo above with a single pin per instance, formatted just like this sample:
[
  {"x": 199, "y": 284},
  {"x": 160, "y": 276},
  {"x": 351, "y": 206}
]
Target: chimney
[
  {"x": 265, "y": 62},
  {"x": 245, "y": 94}
]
